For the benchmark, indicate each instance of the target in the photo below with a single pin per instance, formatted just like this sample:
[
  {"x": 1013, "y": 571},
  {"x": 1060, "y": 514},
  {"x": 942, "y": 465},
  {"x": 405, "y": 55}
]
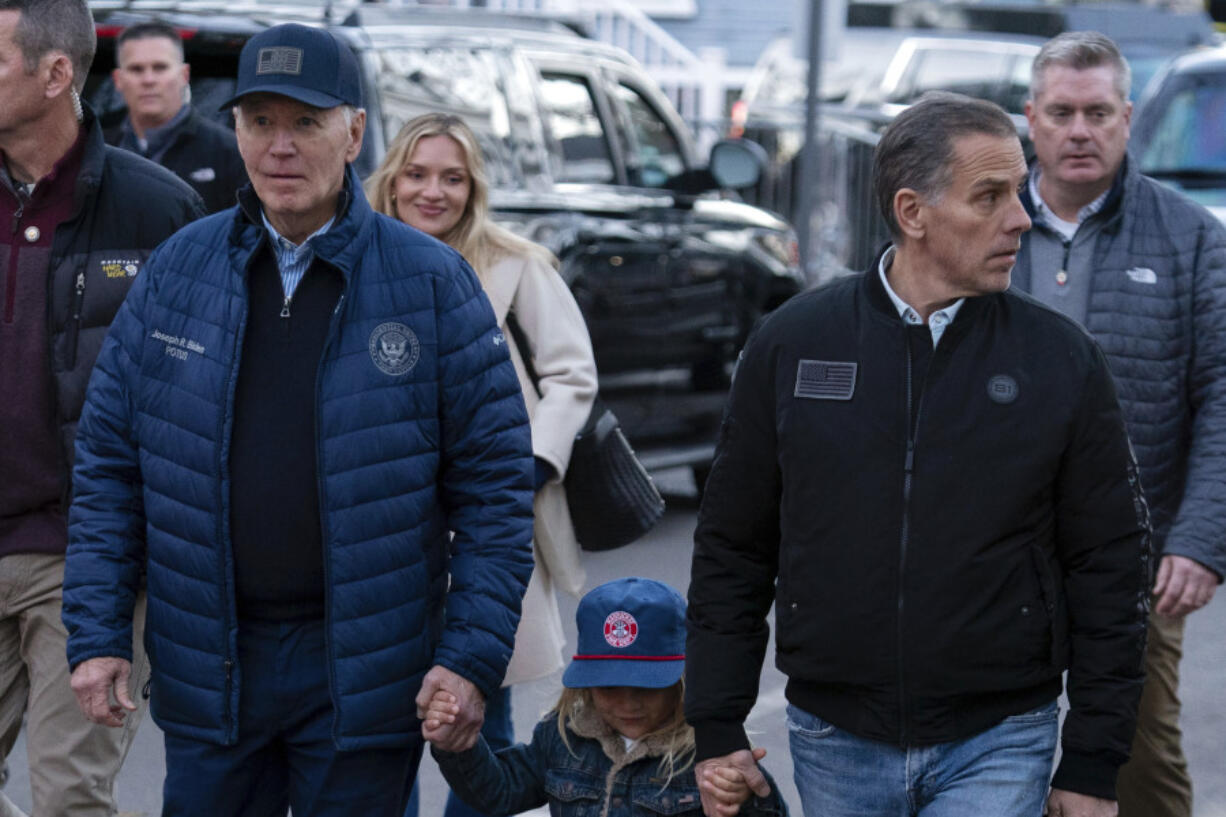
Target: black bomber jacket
[{"x": 930, "y": 578}]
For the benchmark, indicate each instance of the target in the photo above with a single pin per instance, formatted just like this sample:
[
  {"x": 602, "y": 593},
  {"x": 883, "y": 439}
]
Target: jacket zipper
[
  {"x": 323, "y": 529},
  {"x": 74, "y": 328},
  {"x": 1068, "y": 249},
  {"x": 905, "y": 538},
  {"x": 11, "y": 276}
]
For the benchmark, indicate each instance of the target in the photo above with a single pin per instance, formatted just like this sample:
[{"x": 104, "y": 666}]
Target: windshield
[
  {"x": 466, "y": 82},
  {"x": 1187, "y": 137}
]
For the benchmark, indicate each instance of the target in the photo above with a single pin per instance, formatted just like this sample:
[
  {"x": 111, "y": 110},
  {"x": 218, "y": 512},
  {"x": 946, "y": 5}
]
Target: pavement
[{"x": 665, "y": 555}]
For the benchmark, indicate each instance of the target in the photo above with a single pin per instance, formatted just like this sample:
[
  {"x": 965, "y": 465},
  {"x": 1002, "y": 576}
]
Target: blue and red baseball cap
[
  {"x": 631, "y": 634},
  {"x": 300, "y": 62}
]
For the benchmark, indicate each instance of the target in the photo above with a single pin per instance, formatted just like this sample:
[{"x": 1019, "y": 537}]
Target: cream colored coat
[{"x": 562, "y": 355}]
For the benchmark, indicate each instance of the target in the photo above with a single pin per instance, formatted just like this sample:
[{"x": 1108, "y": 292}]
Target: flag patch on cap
[
  {"x": 826, "y": 379},
  {"x": 279, "y": 60}
]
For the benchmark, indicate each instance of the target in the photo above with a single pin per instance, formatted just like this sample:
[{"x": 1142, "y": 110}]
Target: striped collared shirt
[{"x": 292, "y": 259}]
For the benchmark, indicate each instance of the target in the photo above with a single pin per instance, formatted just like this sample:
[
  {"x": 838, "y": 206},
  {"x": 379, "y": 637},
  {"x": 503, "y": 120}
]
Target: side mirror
[{"x": 736, "y": 163}]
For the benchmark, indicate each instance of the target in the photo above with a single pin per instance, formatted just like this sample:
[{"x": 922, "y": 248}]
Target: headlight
[{"x": 783, "y": 247}]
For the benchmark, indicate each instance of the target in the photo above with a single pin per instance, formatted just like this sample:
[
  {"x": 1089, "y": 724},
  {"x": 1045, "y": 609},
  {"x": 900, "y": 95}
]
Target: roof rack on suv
[
  {"x": 379, "y": 15},
  {"x": 322, "y": 10},
  {"x": 354, "y": 13}
]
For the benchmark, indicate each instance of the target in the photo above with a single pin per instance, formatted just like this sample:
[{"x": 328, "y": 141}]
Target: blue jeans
[
  {"x": 499, "y": 733},
  {"x": 285, "y": 756},
  {"x": 1001, "y": 772}
]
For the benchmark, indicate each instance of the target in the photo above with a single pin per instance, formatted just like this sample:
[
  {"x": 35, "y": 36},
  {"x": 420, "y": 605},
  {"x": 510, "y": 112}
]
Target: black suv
[{"x": 585, "y": 155}]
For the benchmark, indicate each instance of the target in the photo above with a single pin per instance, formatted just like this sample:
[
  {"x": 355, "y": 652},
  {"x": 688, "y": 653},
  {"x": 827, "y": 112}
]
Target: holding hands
[
  {"x": 452, "y": 710},
  {"x": 725, "y": 783}
]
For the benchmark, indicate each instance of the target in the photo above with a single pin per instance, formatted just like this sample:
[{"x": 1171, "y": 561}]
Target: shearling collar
[{"x": 586, "y": 723}]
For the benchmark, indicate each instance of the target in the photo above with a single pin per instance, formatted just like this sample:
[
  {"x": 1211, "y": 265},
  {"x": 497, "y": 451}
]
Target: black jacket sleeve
[
  {"x": 1103, "y": 545},
  {"x": 736, "y": 557}
]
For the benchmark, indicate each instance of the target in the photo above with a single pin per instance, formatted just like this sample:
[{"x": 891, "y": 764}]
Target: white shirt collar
[
  {"x": 937, "y": 321},
  {"x": 1044, "y": 211}
]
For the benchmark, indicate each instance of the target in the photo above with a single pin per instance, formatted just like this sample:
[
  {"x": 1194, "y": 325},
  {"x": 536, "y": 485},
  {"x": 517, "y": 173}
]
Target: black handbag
[{"x": 612, "y": 499}]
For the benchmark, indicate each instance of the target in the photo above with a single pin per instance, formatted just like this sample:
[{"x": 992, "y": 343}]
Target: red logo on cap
[{"x": 620, "y": 629}]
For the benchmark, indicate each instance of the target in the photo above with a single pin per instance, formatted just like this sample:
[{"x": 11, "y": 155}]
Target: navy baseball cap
[
  {"x": 303, "y": 63},
  {"x": 631, "y": 634}
]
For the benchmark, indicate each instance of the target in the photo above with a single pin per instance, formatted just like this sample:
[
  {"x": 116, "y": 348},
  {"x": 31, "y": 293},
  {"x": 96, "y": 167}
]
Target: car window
[
  {"x": 653, "y": 155},
  {"x": 454, "y": 80},
  {"x": 1188, "y": 135},
  {"x": 1017, "y": 86},
  {"x": 972, "y": 72},
  {"x": 580, "y": 150}
]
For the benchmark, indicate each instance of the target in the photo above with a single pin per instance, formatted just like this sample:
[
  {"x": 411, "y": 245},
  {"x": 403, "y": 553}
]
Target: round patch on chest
[
  {"x": 394, "y": 348},
  {"x": 1002, "y": 389}
]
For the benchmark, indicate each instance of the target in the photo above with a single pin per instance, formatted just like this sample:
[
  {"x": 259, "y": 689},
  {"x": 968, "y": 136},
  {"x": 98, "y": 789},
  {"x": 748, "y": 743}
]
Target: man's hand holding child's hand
[
  {"x": 452, "y": 710},
  {"x": 726, "y": 782},
  {"x": 440, "y": 711}
]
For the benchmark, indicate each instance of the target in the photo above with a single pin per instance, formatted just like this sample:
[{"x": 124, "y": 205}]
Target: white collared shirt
[
  {"x": 937, "y": 321},
  {"x": 1043, "y": 211}
]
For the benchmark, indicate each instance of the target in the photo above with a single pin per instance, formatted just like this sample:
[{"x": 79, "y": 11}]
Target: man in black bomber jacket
[{"x": 931, "y": 479}]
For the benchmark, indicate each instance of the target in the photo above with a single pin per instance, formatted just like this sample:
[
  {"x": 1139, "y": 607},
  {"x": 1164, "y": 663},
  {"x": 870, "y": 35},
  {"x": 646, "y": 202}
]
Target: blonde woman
[{"x": 433, "y": 178}]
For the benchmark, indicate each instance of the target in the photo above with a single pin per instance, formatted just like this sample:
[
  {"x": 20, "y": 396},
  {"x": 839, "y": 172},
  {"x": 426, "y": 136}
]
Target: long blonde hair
[
  {"x": 676, "y": 735},
  {"x": 482, "y": 242}
]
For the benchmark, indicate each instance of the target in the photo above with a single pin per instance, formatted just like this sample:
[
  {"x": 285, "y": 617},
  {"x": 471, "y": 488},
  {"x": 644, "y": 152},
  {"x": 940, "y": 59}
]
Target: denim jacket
[{"x": 596, "y": 777}]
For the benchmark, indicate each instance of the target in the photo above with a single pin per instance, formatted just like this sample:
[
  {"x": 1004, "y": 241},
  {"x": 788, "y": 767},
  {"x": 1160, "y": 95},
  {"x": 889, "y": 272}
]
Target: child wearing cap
[{"x": 616, "y": 744}]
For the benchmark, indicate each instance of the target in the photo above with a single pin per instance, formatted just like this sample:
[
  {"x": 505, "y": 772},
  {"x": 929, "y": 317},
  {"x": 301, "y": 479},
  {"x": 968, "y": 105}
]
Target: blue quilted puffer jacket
[
  {"x": 407, "y": 451},
  {"x": 1158, "y": 309}
]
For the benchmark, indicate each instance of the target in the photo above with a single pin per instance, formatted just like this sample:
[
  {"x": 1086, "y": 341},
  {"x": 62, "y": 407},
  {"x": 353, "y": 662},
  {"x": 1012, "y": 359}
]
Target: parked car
[
  {"x": 981, "y": 49},
  {"x": 995, "y": 67},
  {"x": 1179, "y": 126},
  {"x": 585, "y": 155}
]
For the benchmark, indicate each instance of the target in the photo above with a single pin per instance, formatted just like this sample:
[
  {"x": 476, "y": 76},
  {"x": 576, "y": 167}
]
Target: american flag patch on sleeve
[{"x": 826, "y": 379}]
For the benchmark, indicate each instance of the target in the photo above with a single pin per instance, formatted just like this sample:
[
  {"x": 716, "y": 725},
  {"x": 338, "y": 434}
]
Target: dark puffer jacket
[
  {"x": 1158, "y": 309},
  {"x": 123, "y": 207},
  {"x": 421, "y": 430}
]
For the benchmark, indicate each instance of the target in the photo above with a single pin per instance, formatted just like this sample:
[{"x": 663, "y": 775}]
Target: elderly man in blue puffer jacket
[{"x": 305, "y": 434}]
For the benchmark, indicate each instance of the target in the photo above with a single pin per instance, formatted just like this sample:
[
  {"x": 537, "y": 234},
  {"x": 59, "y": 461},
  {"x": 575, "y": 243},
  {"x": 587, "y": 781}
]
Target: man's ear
[
  {"x": 357, "y": 128},
  {"x": 58, "y": 74},
  {"x": 909, "y": 211}
]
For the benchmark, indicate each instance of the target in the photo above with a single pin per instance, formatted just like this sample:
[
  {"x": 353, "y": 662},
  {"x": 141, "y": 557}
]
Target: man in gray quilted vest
[{"x": 1144, "y": 270}]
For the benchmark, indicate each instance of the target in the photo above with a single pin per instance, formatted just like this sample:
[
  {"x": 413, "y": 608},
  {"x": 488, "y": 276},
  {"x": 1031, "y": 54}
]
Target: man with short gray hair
[
  {"x": 1143, "y": 268},
  {"x": 929, "y": 478}
]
